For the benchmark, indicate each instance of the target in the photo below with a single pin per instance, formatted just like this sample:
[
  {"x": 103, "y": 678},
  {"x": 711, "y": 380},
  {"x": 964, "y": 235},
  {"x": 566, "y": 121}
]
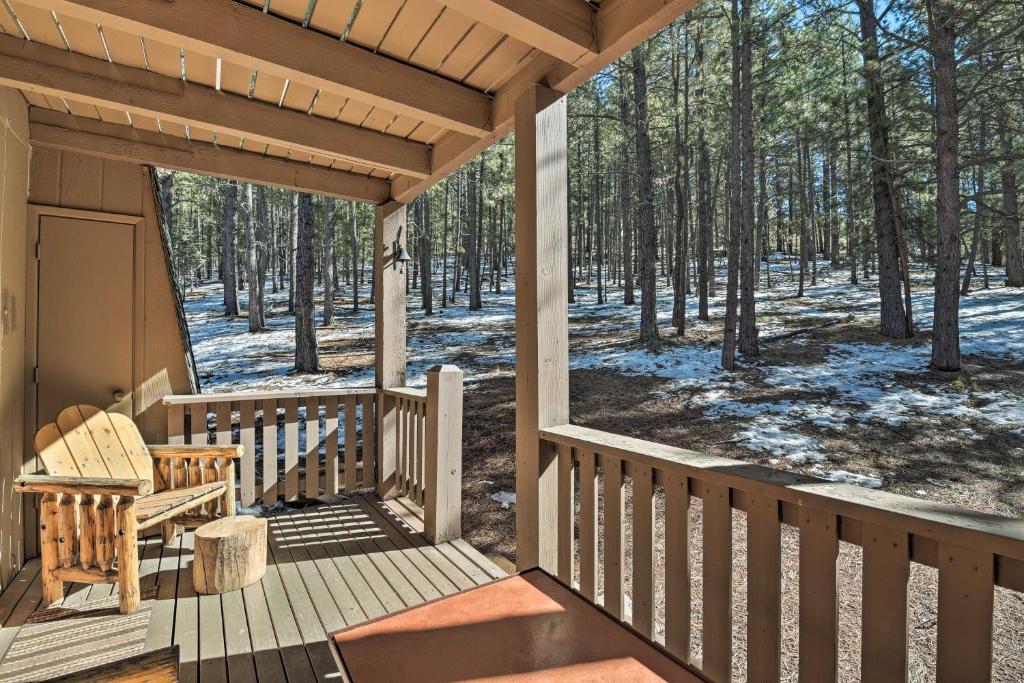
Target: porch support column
[
  {"x": 389, "y": 335},
  {"x": 542, "y": 310}
]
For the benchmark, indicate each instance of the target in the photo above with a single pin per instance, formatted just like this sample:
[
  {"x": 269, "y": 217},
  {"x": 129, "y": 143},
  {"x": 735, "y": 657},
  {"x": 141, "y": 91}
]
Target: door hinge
[
  {"x": 35, "y": 375},
  {"x": 38, "y": 244}
]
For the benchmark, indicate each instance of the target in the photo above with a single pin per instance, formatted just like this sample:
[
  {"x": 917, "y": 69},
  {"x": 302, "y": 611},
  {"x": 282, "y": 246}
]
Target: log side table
[{"x": 230, "y": 553}]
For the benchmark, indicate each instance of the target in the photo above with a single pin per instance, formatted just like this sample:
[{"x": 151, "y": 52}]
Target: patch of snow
[
  {"x": 504, "y": 498},
  {"x": 845, "y": 477}
]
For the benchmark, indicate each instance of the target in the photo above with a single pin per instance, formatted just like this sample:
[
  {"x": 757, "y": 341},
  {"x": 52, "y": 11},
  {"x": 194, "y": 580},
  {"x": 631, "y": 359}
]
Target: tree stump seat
[{"x": 230, "y": 553}]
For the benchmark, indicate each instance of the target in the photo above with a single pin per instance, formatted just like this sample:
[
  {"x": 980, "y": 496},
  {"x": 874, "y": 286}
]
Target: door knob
[{"x": 118, "y": 395}]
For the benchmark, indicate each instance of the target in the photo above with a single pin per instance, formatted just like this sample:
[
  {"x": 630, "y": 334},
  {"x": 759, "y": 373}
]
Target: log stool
[{"x": 230, "y": 553}]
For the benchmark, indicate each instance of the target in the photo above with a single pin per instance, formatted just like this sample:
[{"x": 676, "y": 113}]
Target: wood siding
[
  {"x": 14, "y": 151},
  {"x": 75, "y": 181}
]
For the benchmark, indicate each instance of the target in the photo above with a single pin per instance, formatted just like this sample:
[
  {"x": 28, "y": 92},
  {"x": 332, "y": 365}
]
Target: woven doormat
[{"x": 62, "y": 640}]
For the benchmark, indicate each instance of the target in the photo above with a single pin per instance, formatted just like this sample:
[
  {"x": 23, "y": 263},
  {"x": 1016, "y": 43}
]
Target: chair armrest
[
  {"x": 103, "y": 486},
  {"x": 196, "y": 451}
]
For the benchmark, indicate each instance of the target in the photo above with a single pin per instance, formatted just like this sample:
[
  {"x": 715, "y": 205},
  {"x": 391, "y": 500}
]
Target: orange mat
[{"x": 527, "y": 627}]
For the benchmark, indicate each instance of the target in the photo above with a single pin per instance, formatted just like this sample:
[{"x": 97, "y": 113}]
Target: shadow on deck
[{"x": 329, "y": 566}]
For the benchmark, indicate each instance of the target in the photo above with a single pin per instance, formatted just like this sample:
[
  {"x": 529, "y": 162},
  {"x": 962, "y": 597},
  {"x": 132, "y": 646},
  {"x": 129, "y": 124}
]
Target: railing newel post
[{"x": 443, "y": 454}]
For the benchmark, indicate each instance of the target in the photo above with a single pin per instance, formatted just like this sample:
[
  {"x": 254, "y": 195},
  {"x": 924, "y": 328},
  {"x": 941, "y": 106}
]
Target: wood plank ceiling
[{"x": 366, "y": 99}]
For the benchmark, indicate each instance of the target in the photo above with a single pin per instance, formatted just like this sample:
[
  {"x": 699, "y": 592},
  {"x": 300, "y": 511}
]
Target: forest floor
[{"x": 827, "y": 396}]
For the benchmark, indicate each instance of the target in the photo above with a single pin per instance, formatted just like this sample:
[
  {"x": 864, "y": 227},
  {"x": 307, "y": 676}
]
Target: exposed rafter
[
  {"x": 50, "y": 71},
  {"x": 561, "y": 28},
  {"x": 621, "y": 25},
  {"x": 112, "y": 141},
  {"x": 243, "y": 35}
]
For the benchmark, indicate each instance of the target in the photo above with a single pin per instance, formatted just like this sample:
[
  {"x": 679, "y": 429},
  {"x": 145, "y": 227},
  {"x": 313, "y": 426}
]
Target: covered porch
[
  {"x": 362, "y": 487},
  {"x": 330, "y": 565}
]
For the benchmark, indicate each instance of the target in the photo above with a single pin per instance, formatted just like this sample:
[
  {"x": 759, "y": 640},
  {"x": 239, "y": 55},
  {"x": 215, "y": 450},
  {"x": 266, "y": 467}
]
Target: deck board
[{"x": 330, "y": 566}]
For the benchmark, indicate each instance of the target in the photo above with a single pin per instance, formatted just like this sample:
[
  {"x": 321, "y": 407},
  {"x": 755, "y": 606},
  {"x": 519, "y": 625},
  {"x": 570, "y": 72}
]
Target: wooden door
[{"x": 85, "y": 317}]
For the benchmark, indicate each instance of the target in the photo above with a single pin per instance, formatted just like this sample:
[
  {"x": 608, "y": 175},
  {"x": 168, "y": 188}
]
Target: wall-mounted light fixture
[{"x": 400, "y": 255}]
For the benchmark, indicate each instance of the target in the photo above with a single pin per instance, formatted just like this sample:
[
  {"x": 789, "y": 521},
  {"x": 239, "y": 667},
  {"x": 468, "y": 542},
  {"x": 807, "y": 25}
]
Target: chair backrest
[{"x": 85, "y": 441}]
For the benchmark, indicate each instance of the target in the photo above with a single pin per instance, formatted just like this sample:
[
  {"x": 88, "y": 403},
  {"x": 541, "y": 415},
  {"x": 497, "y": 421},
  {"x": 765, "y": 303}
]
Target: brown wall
[
  {"x": 14, "y": 152},
  {"x": 76, "y": 181},
  {"x": 13, "y": 188},
  {"x": 161, "y": 365}
]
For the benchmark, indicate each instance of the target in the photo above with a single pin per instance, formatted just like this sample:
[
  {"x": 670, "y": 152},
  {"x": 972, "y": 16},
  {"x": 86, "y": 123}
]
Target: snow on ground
[{"x": 866, "y": 383}]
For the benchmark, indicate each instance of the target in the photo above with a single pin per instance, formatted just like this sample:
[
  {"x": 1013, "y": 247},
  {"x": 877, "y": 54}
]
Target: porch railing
[
  {"x": 428, "y": 449},
  {"x": 314, "y": 441},
  {"x": 326, "y": 438},
  {"x": 973, "y": 553}
]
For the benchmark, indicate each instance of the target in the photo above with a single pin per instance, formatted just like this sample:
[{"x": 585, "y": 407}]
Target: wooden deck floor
[{"x": 328, "y": 566}]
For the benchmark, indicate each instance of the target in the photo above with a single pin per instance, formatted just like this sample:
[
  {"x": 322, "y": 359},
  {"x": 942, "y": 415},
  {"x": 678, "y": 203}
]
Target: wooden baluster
[
  {"x": 200, "y": 435},
  {"x": 566, "y": 511},
  {"x": 227, "y": 472},
  {"x": 312, "y": 447},
  {"x": 677, "y": 565},
  {"x": 588, "y": 525},
  {"x": 222, "y": 417},
  {"x": 764, "y": 589},
  {"x": 717, "y": 643},
  {"x": 49, "y": 548},
  {"x": 966, "y": 579},
  {"x": 351, "y": 463},
  {"x": 643, "y": 550},
  {"x": 68, "y": 550},
  {"x": 421, "y": 453},
  {"x": 210, "y": 475},
  {"x": 247, "y": 438},
  {"x": 172, "y": 471},
  {"x": 87, "y": 531},
  {"x": 400, "y": 445},
  {"x": 291, "y": 449},
  {"x": 369, "y": 441},
  {"x": 884, "y": 604},
  {"x": 614, "y": 513},
  {"x": 270, "y": 452},
  {"x": 331, "y": 446},
  {"x": 105, "y": 533},
  {"x": 819, "y": 548},
  {"x": 127, "y": 556}
]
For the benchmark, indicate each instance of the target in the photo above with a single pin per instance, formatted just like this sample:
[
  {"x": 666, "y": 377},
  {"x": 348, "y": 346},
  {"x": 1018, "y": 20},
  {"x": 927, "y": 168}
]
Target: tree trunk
[
  {"x": 647, "y": 237},
  {"x": 228, "y": 248},
  {"x": 329, "y": 266},
  {"x": 252, "y": 261},
  {"x": 893, "y": 315},
  {"x": 735, "y": 196},
  {"x": 476, "y": 197},
  {"x": 426, "y": 255},
  {"x": 979, "y": 189},
  {"x": 946, "y": 326},
  {"x": 293, "y": 251},
  {"x": 748, "y": 277},
  {"x": 628, "y": 297},
  {"x": 306, "y": 359},
  {"x": 354, "y": 243},
  {"x": 1011, "y": 214}
]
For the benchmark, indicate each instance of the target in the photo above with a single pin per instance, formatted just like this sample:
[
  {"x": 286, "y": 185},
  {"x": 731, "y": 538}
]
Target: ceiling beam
[
  {"x": 561, "y": 28},
  {"x": 621, "y": 25},
  {"x": 51, "y": 71},
  {"x": 55, "y": 130},
  {"x": 243, "y": 35}
]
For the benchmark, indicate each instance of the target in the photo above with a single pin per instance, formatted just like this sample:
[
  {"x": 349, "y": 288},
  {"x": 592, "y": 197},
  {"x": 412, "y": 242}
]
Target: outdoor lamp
[{"x": 400, "y": 254}]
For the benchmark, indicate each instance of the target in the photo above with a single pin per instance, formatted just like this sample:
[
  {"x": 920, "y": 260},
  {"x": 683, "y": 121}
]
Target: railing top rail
[
  {"x": 188, "y": 399},
  {"x": 407, "y": 392},
  {"x": 946, "y": 523}
]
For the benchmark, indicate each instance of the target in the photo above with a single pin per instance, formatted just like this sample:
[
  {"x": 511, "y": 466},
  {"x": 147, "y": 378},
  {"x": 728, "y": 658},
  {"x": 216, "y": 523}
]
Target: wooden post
[
  {"x": 127, "y": 556},
  {"x": 227, "y": 470},
  {"x": 443, "y": 509},
  {"x": 542, "y": 317},
  {"x": 49, "y": 542},
  {"x": 389, "y": 335}
]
